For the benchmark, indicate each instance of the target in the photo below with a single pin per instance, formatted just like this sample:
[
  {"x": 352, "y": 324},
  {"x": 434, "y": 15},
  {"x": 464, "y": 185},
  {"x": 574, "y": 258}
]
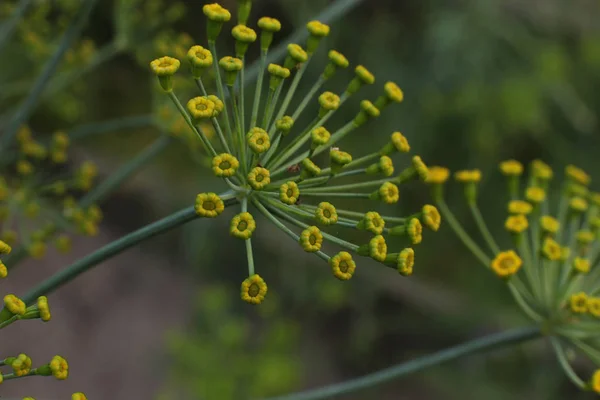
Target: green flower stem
[
  {"x": 284, "y": 228},
  {"x": 460, "y": 232},
  {"x": 249, "y": 253},
  {"x": 281, "y": 209},
  {"x": 201, "y": 86},
  {"x": 318, "y": 181},
  {"x": 11, "y": 376},
  {"x": 483, "y": 228},
  {"x": 338, "y": 194},
  {"x": 84, "y": 264},
  {"x": 9, "y": 321},
  {"x": 531, "y": 272},
  {"x": 350, "y": 186},
  {"x": 242, "y": 84},
  {"x": 563, "y": 211},
  {"x": 590, "y": 351},
  {"x": 258, "y": 90},
  {"x": 241, "y": 136},
  {"x": 222, "y": 139},
  {"x": 359, "y": 161},
  {"x": 290, "y": 93},
  {"x": 101, "y": 191},
  {"x": 523, "y": 303},
  {"x": 220, "y": 90},
  {"x": 26, "y": 108},
  {"x": 313, "y": 90},
  {"x": 8, "y": 27},
  {"x": 268, "y": 106},
  {"x": 564, "y": 363},
  {"x": 357, "y": 215},
  {"x": 484, "y": 344},
  {"x": 205, "y": 142},
  {"x": 273, "y": 107},
  {"x": 567, "y": 265},
  {"x": 293, "y": 146}
]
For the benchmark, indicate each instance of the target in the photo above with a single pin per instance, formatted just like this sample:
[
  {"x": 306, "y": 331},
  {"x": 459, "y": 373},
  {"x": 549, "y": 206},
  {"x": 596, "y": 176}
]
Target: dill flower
[
  {"x": 581, "y": 265},
  {"x": 519, "y": 207},
  {"x": 549, "y": 224},
  {"x": 535, "y": 195},
  {"x": 506, "y": 264},
  {"x": 311, "y": 239},
  {"x": 516, "y": 223},
  {"x": 578, "y": 205},
  {"x": 209, "y": 205},
  {"x": 164, "y": 68},
  {"x": 342, "y": 265},
  {"x": 254, "y": 289},
  {"x": 14, "y": 305},
  {"x": 59, "y": 367},
  {"x": 594, "y": 306},
  {"x": 21, "y": 364},
  {"x": 438, "y": 175},
  {"x": 578, "y": 303},
  {"x": 267, "y": 160},
  {"x": 289, "y": 193},
  {"x": 44, "y": 309},
  {"x": 551, "y": 250},
  {"x": 577, "y": 175},
  {"x": 511, "y": 168},
  {"x": 78, "y": 396},
  {"x": 242, "y": 225}
]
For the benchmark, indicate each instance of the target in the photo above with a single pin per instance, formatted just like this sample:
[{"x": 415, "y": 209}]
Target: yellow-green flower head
[
  {"x": 200, "y": 57},
  {"x": 431, "y": 217},
  {"x": 21, "y": 365},
  {"x": 535, "y": 195},
  {"x": 309, "y": 168},
  {"x": 59, "y": 368},
  {"x": 364, "y": 75},
  {"x": 201, "y": 108},
  {"x": 5, "y": 248},
  {"x": 575, "y": 189},
  {"x": 311, "y": 239},
  {"x": 297, "y": 54},
  {"x": 242, "y": 225},
  {"x": 421, "y": 168},
  {"x": 468, "y": 176},
  {"x": 269, "y": 24},
  {"x": 415, "y": 231},
  {"x": 581, "y": 265},
  {"x": 551, "y": 250},
  {"x": 438, "y": 175},
  {"x": 516, "y": 223},
  {"x": 289, "y": 193},
  {"x": 519, "y": 207},
  {"x": 78, "y": 396},
  {"x": 549, "y": 224},
  {"x": 342, "y": 265},
  {"x": 225, "y": 165},
  {"x": 285, "y": 124},
  {"x": 319, "y": 136},
  {"x": 13, "y": 304},
  {"x": 585, "y": 237},
  {"x": 578, "y": 303},
  {"x": 406, "y": 262},
  {"x": 377, "y": 248},
  {"x": 317, "y": 31},
  {"x": 387, "y": 192},
  {"x": 397, "y": 143},
  {"x": 329, "y": 101},
  {"x": 231, "y": 64},
  {"x": 243, "y": 34},
  {"x": 595, "y": 384},
  {"x": 594, "y": 308},
  {"x": 577, "y": 174},
  {"x": 326, "y": 214},
  {"x": 393, "y": 92},
  {"x": 60, "y": 139},
  {"x": 541, "y": 170},
  {"x": 506, "y": 264},
  {"x": 258, "y": 140},
  {"x": 3, "y": 270},
  {"x": 215, "y": 12},
  {"x": 254, "y": 289},
  {"x": 372, "y": 222},
  {"x": 278, "y": 74},
  {"x": 165, "y": 66},
  {"x": 385, "y": 165},
  {"x": 578, "y": 205},
  {"x": 338, "y": 59},
  {"x": 37, "y": 249},
  {"x": 24, "y": 167},
  {"x": 259, "y": 177},
  {"x": 42, "y": 304},
  {"x": 209, "y": 205},
  {"x": 218, "y": 104},
  {"x": 338, "y": 160},
  {"x": 367, "y": 111},
  {"x": 511, "y": 168}
]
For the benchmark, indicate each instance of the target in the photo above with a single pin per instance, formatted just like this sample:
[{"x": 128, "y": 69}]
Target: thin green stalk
[
  {"x": 284, "y": 228},
  {"x": 349, "y": 186},
  {"x": 26, "y": 108},
  {"x": 523, "y": 303},
  {"x": 8, "y": 27},
  {"x": 242, "y": 84},
  {"x": 483, "y": 228},
  {"x": 564, "y": 363},
  {"x": 484, "y": 344},
  {"x": 259, "y": 85},
  {"x": 308, "y": 97},
  {"x": 292, "y": 147},
  {"x": 531, "y": 272},
  {"x": 8, "y": 321},
  {"x": 338, "y": 194},
  {"x": 84, "y": 264},
  {"x": 203, "y": 139},
  {"x": 96, "y": 128},
  {"x": 268, "y": 107},
  {"x": 249, "y": 253},
  {"x": 219, "y": 84},
  {"x": 460, "y": 232},
  {"x": 291, "y": 91},
  {"x": 273, "y": 107}
]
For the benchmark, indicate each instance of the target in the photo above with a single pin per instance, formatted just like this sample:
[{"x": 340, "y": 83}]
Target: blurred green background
[{"x": 483, "y": 81}]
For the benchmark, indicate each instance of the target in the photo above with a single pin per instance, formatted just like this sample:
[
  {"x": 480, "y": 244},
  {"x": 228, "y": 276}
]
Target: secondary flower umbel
[
  {"x": 291, "y": 174},
  {"x": 552, "y": 270}
]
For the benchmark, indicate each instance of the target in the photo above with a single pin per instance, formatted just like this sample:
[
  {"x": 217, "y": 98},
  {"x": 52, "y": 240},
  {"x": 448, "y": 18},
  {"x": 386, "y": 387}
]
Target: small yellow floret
[
  {"x": 254, "y": 289},
  {"x": 242, "y": 225},
  {"x": 551, "y": 250},
  {"x": 311, "y": 239},
  {"x": 225, "y": 165},
  {"x": 577, "y": 174},
  {"x": 431, "y": 217},
  {"x": 438, "y": 175},
  {"x": 578, "y": 303},
  {"x": 259, "y": 177},
  {"x": 326, "y": 214},
  {"x": 519, "y": 207},
  {"x": 581, "y": 265},
  {"x": 549, "y": 224},
  {"x": 165, "y": 66},
  {"x": 506, "y": 264},
  {"x": 535, "y": 194},
  {"x": 209, "y": 205},
  {"x": 289, "y": 192},
  {"x": 342, "y": 265},
  {"x": 511, "y": 168},
  {"x": 516, "y": 223}
]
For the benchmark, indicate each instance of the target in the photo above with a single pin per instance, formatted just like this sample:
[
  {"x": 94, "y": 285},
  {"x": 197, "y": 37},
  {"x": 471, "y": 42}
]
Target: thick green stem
[
  {"x": 487, "y": 343},
  {"x": 77, "y": 268},
  {"x": 26, "y": 108}
]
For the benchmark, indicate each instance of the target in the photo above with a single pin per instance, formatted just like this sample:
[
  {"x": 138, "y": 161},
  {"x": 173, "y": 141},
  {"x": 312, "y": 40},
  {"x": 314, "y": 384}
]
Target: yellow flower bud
[
  {"x": 367, "y": 111},
  {"x": 3, "y": 270},
  {"x": 397, "y": 143},
  {"x": 254, "y": 289},
  {"x": 577, "y": 174},
  {"x": 506, "y": 264},
  {"x": 551, "y": 250},
  {"x": 42, "y": 305},
  {"x": 438, "y": 175},
  {"x": 535, "y": 195},
  {"x": 164, "y": 68},
  {"x": 5, "y": 248},
  {"x": 320, "y": 137},
  {"x": 268, "y": 27},
  {"x": 278, "y": 74},
  {"x": 541, "y": 170},
  {"x": 372, "y": 222},
  {"x": 585, "y": 237},
  {"x": 209, "y": 205},
  {"x": 581, "y": 265},
  {"x": 385, "y": 166},
  {"x": 519, "y": 207},
  {"x": 289, "y": 192},
  {"x": 387, "y": 192},
  {"x": 309, "y": 169},
  {"x": 317, "y": 31},
  {"x": 242, "y": 225},
  {"x": 336, "y": 61},
  {"x": 259, "y": 177},
  {"x": 59, "y": 367},
  {"x": 231, "y": 66},
  {"x": 244, "y": 36},
  {"x": 516, "y": 223},
  {"x": 511, "y": 168},
  {"x": 200, "y": 59},
  {"x": 392, "y": 94},
  {"x": 78, "y": 396},
  {"x": 376, "y": 249},
  {"x": 549, "y": 224},
  {"x": 342, "y": 265},
  {"x": 284, "y": 125},
  {"x": 578, "y": 205},
  {"x": 578, "y": 303},
  {"x": 258, "y": 140},
  {"x": 328, "y": 101},
  {"x": 405, "y": 261},
  {"x": 219, "y": 105},
  {"x": 14, "y": 305},
  {"x": 201, "y": 108},
  {"x": 326, "y": 214},
  {"x": 21, "y": 364},
  {"x": 311, "y": 239},
  {"x": 216, "y": 16},
  {"x": 225, "y": 165},
  {"x": 338, "y": 160},
  {"x": 421, "y": 168},
  {"x": 431, "y": 217}
]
